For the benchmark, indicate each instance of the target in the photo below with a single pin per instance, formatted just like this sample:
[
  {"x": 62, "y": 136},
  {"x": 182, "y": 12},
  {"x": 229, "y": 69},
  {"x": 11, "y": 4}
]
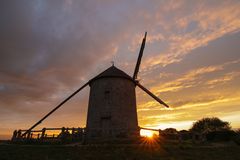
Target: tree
[
  {"x": 237, "y": 137},
  {"x": 170, "y": 131},
  {"x": 207, "y": 125}
]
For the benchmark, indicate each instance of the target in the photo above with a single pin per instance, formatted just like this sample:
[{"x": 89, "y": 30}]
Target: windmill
[{"x": 112, "y": 106}]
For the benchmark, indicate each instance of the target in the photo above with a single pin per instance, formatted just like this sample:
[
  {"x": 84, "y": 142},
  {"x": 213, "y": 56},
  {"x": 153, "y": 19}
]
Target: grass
[{"x": 145, "y": 150}]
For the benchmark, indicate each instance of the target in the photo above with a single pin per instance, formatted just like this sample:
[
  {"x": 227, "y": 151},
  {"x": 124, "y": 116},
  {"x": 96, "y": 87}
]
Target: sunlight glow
[{"x": 146, "y": 133}]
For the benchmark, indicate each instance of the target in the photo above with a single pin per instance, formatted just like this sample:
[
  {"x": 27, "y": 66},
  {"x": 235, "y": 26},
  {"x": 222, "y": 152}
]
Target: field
[{"x": 151, "y": 151}]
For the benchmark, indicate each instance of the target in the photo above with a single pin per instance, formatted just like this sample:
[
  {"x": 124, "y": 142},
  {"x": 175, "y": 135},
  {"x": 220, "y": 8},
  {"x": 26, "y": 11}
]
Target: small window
[
  {"x": 107, "y": 92},
  {"x": 107, "y": 96}
]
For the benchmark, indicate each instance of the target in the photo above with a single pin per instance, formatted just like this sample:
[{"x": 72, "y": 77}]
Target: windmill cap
[{"x": 112, "y": 72}]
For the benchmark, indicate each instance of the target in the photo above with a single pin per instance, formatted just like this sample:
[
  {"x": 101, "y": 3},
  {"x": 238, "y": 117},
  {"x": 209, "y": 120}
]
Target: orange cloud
[
  {"x": 186, "y": 81},
  {"x": 211, "y": 23},
  {"x": 227, "y": 77},
  {"x": 183, "y": 116},
  {"x": 190, "y": 79}
]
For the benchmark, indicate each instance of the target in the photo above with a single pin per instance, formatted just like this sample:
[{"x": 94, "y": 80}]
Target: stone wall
[{"x": 112, "y": 108}]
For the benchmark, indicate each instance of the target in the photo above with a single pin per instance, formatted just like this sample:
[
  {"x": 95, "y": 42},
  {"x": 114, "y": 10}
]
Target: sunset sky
[{"x": 48, "y": 49}]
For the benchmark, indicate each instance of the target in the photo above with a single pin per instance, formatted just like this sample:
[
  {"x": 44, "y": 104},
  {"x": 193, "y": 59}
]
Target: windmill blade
[
  {"x": 53, "y": 110},
  {"x": 139, "y": 57},
  {"x": 152, "y": 95}
]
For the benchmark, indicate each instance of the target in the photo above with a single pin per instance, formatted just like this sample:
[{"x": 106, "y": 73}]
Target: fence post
[{"x": 43, "y": 133}]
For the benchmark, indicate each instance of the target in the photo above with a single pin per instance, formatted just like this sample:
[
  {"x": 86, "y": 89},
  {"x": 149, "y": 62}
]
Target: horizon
[{"x": 49, "y": 49}]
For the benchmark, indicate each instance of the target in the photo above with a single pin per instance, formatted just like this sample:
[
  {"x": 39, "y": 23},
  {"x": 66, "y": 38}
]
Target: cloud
[
  {"x": 194, "y": 30},
  {"x": 207, "y": 103},
  {"x": 224, "y": 79},
  {"x": 187, "y": 80},
  {"x": 192, "y": 78},
  {"x": 47, "y": 49}
]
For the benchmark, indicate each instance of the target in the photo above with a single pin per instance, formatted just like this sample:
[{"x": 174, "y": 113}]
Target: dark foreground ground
[{"x": 146, "y": 150}]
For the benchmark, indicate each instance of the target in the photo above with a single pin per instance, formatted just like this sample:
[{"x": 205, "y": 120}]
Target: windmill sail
[{"x": 139, "y": 57}]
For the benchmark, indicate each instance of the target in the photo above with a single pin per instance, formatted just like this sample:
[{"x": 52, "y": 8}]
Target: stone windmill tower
[
  {"x": 112, "y": 105},
  {"x": 112, "y": 109}
]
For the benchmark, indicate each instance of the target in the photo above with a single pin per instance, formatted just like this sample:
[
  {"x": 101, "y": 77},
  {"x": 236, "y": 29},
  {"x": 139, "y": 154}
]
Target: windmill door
[{"x": 106, "y": 126}]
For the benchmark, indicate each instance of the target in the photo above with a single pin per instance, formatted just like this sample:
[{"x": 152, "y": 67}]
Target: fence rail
[{"x": 47, "y": 133}]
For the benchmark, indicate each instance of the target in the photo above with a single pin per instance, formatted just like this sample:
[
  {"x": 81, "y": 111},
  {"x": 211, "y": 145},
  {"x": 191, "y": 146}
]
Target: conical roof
[{"x": 112, "y": 72}]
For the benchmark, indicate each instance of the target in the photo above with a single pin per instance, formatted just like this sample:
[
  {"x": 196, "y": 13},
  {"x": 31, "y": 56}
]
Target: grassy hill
[{"x": 144, "y": 151}]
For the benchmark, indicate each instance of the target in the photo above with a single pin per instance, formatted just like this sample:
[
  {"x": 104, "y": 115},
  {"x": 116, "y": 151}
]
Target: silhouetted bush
[
  {"x": 185, "y": 135},
  {"x": 220, "y": 135},
  {"x": 207, "y": 125},
  {"x": 237, "y": 137}
]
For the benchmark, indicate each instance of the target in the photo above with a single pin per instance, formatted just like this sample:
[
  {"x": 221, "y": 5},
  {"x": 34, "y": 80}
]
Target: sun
[{"x": 146, "y": 133}]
